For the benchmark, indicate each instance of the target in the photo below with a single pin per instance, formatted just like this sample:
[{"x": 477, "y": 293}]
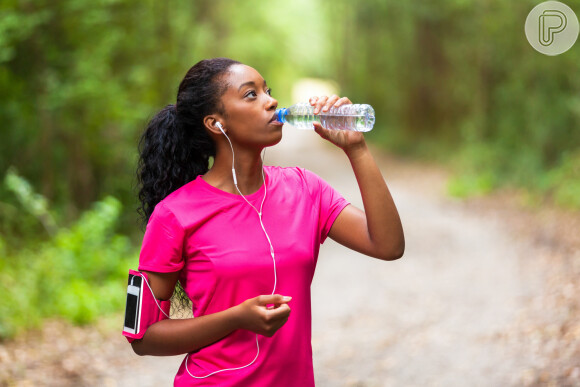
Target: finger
[
  {"x": 274, "y": 306},
  {"x": 279, "y": 313},
  {"x": 318, "y": 128},
  {"x": 273, "y": 299},
  {"x": 320, "y": 103},
  {"x": 330, "y": 102},
  {"x": 313, "y": 100},
  {"x": 280, "y": 323},
  {"x": 273, "y": 327},
  {"x": 342, "y": 101}
]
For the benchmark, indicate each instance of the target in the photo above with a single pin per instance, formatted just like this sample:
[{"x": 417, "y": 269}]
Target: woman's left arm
[{"x": 376, "y": 231}]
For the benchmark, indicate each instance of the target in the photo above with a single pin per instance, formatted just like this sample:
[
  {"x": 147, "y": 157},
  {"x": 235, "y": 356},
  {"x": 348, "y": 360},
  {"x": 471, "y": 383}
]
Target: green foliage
[
  {"x": 34, "y": 203},
  {"x": 564, "y": 181},
  {"x": 467, "y": 185},
  {"x": 78, "y": 275},
  {"x": 457, "y": 81},
  {"x": 454, "y": 80},
  {"x": 79, "y": 79}
]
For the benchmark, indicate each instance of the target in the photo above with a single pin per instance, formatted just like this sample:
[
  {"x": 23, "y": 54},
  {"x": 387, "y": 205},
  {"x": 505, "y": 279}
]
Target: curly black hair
[{"x": 175, "y": 147}]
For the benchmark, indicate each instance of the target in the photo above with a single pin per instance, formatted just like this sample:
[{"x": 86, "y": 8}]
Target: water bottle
[{"x": 359, "y": 118}]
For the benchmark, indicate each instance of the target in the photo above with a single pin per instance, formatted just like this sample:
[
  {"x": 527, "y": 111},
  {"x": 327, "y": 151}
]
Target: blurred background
[{"x": 454, "y": 83}]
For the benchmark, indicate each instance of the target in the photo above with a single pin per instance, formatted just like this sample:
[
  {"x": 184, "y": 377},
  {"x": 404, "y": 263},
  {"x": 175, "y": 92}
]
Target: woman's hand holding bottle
[{"x": 347, "y": 140}]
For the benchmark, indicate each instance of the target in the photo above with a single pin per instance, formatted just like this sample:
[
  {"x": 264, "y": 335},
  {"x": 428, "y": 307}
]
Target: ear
[{"x": 210, "y": 123}]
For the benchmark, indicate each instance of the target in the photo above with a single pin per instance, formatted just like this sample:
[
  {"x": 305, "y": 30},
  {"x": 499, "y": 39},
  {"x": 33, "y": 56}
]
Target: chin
[
  {"x": 274, "y": 138},
  {"x": 277, "y": 139}
]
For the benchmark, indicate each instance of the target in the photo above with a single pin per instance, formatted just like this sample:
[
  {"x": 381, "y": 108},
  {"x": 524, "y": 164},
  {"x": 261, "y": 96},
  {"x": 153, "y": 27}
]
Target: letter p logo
[
  {"x": 551, "y": 22},
  {"x": 552, "y": 28}
]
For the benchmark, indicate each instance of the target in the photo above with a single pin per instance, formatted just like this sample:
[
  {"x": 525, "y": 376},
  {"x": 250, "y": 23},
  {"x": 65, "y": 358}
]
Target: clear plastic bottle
[{"x": 359, "y": 118}]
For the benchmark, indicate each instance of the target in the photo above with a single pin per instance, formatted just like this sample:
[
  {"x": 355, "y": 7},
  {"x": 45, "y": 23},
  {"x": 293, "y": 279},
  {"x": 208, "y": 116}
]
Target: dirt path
[
  {"x": 443, "y": 315},
  {"x": 431, "y": 318}
]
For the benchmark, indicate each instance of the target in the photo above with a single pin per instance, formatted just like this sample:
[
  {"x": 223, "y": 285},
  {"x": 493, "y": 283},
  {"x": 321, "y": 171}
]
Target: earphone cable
[{"x": 272, "y": 254}]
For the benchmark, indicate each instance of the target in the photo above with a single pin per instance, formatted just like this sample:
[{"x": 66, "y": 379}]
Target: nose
[{"x": 272, "y": 103}]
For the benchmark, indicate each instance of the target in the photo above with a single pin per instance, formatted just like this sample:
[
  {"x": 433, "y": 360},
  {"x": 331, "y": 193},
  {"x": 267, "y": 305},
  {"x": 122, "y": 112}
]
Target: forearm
[
  {"x": 178, "y": 336},
  {"x": 385, "y": 231}
]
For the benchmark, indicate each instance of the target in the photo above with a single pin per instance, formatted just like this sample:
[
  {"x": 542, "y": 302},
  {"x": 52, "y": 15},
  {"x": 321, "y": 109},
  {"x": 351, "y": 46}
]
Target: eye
[
  {"x": 269, "y": 91},
  {"x": 251, "y": 93}
]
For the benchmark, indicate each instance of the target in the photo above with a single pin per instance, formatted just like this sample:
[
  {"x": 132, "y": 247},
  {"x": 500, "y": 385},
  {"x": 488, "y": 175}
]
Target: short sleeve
[
  {"x": 329, "y": 200},
  {"x": 162, "y": 248}
]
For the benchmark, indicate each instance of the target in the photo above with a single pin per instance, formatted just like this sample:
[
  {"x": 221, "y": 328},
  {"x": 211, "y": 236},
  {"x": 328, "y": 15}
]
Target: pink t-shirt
[{"x": 216, "y": 240}]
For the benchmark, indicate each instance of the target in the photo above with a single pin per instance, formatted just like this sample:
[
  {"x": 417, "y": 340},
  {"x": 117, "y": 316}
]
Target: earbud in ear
[{"x": 219, "y": 125}]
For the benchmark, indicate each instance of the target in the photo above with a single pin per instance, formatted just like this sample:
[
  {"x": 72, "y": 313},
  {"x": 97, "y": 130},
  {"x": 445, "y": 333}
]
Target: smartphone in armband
[{"x": 134, "y": 304}]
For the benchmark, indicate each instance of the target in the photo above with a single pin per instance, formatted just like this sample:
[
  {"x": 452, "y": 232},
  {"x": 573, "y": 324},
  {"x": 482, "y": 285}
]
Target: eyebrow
[{"x": 250, "y": 83}]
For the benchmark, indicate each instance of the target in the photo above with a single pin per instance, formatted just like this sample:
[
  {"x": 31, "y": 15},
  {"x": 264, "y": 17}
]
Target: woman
[{"x": 241, "y": 238}]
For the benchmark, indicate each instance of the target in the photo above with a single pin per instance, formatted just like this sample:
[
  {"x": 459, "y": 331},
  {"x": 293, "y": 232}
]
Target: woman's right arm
[{"x": 178, "y": 336}]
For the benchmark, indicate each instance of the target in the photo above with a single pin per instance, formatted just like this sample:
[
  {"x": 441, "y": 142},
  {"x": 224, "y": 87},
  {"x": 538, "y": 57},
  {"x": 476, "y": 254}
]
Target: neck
[{"x": 248, "y": 165}]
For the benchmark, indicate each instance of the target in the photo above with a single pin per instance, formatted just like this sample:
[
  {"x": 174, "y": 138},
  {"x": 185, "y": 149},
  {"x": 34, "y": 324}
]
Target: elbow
[
  {"x": 399, "y": 249},
  {"x": 398, "y": 253},
  {"x": 137, "y": 346},
  {"x": 393, "y": 252},
  {"x": 394, "y": 255}
]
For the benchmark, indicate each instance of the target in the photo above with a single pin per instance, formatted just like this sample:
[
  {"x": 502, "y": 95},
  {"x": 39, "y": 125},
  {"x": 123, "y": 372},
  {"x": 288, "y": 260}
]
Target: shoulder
[
  {"x": 174, "y": 205},
  {"x": 184, "y": 192},
  {"x": 162, "y": 214}
]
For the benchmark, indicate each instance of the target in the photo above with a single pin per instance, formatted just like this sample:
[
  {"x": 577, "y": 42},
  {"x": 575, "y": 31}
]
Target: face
[{"x": 249, "y": 109}]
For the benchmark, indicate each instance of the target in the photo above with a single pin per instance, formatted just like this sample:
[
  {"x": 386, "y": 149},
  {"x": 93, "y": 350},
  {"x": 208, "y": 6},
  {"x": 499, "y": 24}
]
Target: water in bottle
[{"x": 356, "y": 117}]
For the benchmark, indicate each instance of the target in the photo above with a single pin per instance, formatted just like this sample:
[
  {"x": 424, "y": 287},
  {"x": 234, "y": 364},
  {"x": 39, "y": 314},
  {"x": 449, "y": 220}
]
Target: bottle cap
[{"x": 281, "y": 114}]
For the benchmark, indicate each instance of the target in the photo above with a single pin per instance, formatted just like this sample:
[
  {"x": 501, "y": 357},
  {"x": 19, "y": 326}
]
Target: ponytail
[
  {"x": 175, "y": 147},
  {"x": 169, "y": 157}
]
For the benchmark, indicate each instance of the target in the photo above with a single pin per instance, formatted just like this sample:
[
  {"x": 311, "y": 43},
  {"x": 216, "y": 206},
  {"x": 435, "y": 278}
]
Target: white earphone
[{"x": 272, "y": 254}]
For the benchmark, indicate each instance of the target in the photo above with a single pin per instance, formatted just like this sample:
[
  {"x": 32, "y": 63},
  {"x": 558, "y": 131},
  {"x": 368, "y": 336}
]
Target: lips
[{"x": 274, "y": 118}]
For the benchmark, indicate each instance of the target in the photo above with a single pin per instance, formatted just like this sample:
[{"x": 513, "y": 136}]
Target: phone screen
[
  {"x": 132, "y": 308},
  {"x": 131, "y": 311}
]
